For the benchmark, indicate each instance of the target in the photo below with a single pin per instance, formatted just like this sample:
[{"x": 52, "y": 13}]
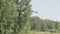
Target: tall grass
[{"x": 32, "y": 32}]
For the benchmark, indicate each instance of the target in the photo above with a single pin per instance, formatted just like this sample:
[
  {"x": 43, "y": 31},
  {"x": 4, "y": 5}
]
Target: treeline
[
  {"x": 14, "y": 16},
  {"x": 45, "y": 25}
]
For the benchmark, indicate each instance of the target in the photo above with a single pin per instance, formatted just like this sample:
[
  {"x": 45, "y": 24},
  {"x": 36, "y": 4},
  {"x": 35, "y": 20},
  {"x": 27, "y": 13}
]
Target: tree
[
  {"x": 13, "y": 21},
  {"x": 36, "y": 23},
  {"x": 48, "y": 25},
  {"x": 24, "y": 15},
  {"x": 8, "y": 14}
]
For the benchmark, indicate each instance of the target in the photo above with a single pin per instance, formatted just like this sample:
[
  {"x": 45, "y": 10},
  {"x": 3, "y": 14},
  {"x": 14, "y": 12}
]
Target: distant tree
[
  {"x": 38, "y": 24},
  {"x": 35, "y": 23}
]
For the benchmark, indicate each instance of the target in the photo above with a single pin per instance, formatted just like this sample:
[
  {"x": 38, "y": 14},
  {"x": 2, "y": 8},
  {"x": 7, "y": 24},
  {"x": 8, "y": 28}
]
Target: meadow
[{"x": 42, "y": 33}]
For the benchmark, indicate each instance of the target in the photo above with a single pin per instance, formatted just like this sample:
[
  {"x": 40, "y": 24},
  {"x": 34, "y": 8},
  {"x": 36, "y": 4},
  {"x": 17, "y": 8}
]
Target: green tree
[
  {"x": 36, "y": 23},
  {"x": 24, "y": 16},
  {"x": 13, "y": 21},
  {"x": 8, "y": 14},
  {"x": 48, "y": 25}
]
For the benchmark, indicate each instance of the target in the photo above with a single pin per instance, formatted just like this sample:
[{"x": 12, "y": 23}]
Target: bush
[{"x": 53, "y": 30}]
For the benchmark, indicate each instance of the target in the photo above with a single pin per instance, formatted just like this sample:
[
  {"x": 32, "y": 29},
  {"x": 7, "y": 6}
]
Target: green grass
[{"x": 41, "y": 33}]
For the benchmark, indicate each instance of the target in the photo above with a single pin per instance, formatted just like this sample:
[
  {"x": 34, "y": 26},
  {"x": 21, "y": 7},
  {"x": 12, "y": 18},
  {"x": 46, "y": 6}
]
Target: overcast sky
[{"x": 48, "y": 9}]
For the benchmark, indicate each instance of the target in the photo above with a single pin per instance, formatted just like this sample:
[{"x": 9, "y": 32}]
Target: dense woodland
[
  {"x": 15, "y": 18},
  {"x": 45, "y": 25}
]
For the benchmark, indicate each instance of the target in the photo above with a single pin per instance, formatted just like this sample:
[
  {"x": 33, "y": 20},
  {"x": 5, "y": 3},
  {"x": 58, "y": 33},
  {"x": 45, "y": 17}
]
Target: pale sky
[{"x": 48, "y": 9}]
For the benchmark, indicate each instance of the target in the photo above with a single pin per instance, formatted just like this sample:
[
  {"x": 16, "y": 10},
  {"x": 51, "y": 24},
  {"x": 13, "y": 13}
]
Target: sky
[{"x": 47, "y": 9}]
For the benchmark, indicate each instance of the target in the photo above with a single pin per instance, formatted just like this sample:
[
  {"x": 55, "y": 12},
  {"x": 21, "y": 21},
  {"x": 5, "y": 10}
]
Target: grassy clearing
[{"x": 42, "y": 33}]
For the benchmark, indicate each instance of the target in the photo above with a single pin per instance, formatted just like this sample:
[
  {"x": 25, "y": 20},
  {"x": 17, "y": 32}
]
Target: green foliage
[
  {"x": 8, "y": 13},
  {"x": 35, "y": 23},
  {"x": 45, "y": 25},
  {"x": 24, "y": 15},
  {"x": 13, "y": 21},
  {"x": 53, "y": 31}
]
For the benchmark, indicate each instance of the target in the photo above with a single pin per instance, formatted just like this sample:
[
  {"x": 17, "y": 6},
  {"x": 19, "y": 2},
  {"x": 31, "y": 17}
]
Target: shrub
[{"x": 53, "y": 30}]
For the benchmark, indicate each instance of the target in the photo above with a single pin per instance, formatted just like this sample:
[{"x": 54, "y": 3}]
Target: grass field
[{"x": 42, "y": 33}]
